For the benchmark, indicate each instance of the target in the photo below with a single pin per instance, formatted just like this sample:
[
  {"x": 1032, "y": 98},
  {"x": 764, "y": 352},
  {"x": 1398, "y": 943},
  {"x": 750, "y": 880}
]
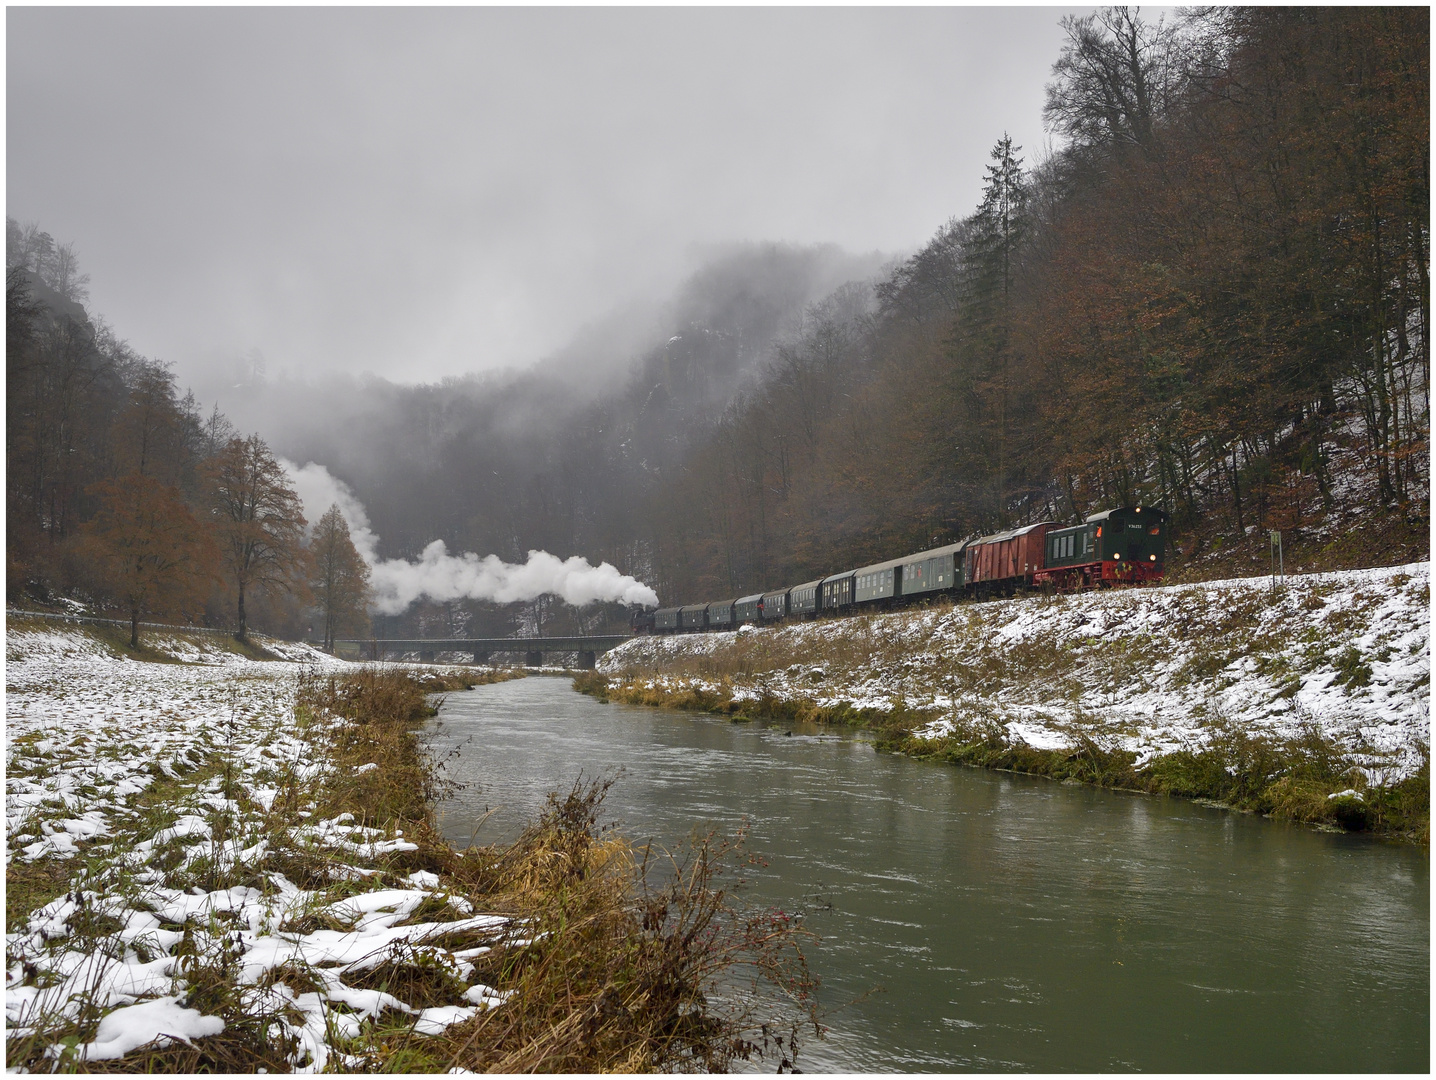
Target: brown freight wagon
[{"x": 1006, "y": 561}]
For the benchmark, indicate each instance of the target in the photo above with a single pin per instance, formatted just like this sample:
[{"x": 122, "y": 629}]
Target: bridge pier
[
  {"x": 588, "y": 660},
  {"x": 426, "y": 658},
  {"x": 533, "y": 659},
  {"x": 481, "y": 656}
]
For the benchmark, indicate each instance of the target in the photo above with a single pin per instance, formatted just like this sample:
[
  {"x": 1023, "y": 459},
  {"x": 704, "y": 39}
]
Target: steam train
[{"x": 1123, "y": 546}]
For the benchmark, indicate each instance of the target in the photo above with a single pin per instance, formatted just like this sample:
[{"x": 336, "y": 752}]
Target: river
[{"x": 1003, "y": 921}]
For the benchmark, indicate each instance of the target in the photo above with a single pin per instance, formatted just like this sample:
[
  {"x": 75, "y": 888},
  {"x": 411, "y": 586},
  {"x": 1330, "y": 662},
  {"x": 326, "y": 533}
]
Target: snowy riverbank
[
  {"x": 166, "y": 800},
  {"x": 220, "y": 864},
  {"x": 1147, "y": 672}
]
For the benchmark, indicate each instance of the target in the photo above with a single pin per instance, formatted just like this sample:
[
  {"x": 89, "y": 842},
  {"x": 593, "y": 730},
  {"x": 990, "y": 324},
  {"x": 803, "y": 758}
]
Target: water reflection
[{"x": 1010, "y": 922}]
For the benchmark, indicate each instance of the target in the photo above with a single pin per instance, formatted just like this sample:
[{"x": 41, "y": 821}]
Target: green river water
[{"x": 996, "y": 921}]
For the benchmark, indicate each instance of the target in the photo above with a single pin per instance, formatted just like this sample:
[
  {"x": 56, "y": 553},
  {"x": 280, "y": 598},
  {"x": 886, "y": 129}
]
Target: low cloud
[{"x": 440, "y": 576}]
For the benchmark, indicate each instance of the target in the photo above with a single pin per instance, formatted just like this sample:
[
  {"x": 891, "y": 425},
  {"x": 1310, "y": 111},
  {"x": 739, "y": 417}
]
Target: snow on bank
[
  {"x": 89, "y": 735},
  {"x": 1149, "y": 670}
]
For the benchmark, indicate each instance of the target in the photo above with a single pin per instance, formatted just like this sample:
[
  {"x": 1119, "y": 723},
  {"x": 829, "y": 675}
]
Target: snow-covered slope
[
  {"x": 1148, "y": 670},
  {"x": 111, "y": 777}
]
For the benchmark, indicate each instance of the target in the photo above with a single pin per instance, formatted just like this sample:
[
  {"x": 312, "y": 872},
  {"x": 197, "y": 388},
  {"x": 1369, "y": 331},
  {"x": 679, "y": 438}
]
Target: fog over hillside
[{"x": 667, "y": 370}]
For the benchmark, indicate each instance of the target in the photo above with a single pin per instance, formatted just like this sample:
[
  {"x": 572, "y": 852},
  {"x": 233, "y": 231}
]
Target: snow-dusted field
[
  {"x": 89, "y": 733},
  {"x": 1148, "y": 670}
]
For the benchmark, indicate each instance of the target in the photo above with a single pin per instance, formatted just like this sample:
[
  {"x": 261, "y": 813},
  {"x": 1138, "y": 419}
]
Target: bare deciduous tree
[
  {"x": 339, "y": 578},
  {"x": 147, "y": 550},
  {"x": 258, "y": 521}
]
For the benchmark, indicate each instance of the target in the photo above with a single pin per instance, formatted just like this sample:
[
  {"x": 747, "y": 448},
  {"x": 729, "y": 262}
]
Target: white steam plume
[{"x": 440, "y": 576}]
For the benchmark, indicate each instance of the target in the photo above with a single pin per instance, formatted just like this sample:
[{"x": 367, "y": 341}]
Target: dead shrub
[{"x": 616, "y": 972}]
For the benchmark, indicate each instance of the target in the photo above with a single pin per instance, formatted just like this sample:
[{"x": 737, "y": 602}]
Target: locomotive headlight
[
  {"x": 1152, "y": 557},
  {"x": 1117, "y": 555}
]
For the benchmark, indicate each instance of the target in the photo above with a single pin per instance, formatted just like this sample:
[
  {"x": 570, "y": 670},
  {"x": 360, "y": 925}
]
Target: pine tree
[
  {"x": 983, "y": 335},
  {"x": 1001, "y": 226}
]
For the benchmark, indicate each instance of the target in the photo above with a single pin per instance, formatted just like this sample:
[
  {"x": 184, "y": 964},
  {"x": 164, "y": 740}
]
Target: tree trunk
[
  {"x": 1237, "y": 494},
  {"x": 134, "y": 628},
  {"x": 241, "y": 633}
]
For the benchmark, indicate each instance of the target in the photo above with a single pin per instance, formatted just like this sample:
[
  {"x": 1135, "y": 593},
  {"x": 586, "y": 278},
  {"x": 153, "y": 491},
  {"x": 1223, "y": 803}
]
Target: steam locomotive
[{"x": 1123, "y": 546}]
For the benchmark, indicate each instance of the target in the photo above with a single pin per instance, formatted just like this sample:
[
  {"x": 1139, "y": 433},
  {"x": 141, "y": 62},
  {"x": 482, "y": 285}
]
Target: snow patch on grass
[
  {"x": 1151, "y": 671},
  {"x": 153, "y": 787}
]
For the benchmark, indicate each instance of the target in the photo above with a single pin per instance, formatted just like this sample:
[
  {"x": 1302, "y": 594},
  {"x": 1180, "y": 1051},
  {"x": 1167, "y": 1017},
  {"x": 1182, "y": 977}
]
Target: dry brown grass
[
  {"x": 1203, "y": 643},
  {"x": 635, "y": 962},
  {"x": 613, "y": 960}
]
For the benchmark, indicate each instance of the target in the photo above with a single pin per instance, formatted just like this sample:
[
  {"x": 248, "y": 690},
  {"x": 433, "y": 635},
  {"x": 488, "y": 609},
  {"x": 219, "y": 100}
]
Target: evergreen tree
[
  {"x": 983, "y": 335},
  {"x": 1000, "y": 226}
]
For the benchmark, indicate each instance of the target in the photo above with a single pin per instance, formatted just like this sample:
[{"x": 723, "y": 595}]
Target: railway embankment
[{"x": 1308, "y": 701}]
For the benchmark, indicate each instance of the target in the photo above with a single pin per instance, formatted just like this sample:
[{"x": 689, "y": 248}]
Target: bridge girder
[{"x": 587, "y": 647}]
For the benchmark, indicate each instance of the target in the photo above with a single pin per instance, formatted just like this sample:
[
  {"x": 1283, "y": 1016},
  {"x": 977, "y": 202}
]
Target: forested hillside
[
  {"x": 1213, "y": 297},
  {"x": 124, "y": 497}
]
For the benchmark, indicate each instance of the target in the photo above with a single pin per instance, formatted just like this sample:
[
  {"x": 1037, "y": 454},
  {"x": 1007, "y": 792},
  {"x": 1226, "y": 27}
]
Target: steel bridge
[{"x": 481, "y": 649}]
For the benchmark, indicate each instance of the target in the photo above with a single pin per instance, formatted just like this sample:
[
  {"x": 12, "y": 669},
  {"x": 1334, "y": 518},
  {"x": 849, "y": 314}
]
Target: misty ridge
[
  {"x": 685, "y": 357},
  {"x": 563, "y": 456}
]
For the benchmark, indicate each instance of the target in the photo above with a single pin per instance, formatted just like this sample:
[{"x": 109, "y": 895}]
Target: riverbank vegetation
[
  {"x": 1309, "y": 779},
  {"x": 262, "y": 888},
  {"x": 1308, "y": 701}
]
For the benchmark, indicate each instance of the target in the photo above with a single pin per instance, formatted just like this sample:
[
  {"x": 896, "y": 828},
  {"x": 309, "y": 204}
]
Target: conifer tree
[{"x": 983, "y": 335}]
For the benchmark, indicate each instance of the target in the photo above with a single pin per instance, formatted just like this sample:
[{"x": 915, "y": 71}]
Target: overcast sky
[{"x": 428, "y": 193}]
